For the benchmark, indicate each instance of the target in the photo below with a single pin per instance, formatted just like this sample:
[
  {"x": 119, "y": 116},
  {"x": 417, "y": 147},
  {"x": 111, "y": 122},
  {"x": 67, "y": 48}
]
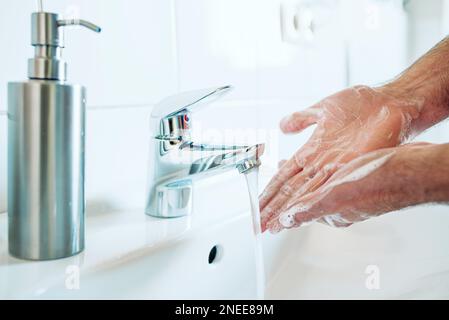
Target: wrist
[
  {"x": 427, "y": 81},
  {"x": 427, "y": 172},
  {"x": 437, "y": 174}
]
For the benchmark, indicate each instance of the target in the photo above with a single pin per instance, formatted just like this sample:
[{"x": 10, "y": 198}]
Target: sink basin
[
  {"x": 210, "y": 255},
  {"x": 177, "y": 269},
  {"x": 130, "y": 255},
  {"x": 406, "y": 253}
]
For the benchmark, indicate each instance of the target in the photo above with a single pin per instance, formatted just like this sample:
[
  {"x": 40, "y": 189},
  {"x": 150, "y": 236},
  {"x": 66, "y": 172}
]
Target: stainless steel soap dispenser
[{"x": 46, "y": 133}]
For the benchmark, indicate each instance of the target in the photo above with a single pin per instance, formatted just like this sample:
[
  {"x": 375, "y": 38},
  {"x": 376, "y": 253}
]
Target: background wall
[
  {"x": 149, "y": 49},
  {"x": 126, "y": 68}
]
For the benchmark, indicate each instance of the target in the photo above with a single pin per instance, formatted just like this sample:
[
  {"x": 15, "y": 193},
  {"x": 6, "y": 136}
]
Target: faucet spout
[{"x": 217, "y": 158}]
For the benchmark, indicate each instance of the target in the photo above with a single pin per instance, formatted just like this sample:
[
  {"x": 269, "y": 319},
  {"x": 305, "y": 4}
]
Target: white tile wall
[
  {"x": 130, "y": 62},
  {"x": 126, "y": 68},
  {"x": 428, "y": 24},
  {"x": 299, "y": 70},
  {"x": 116, "y": 158},
  {"x": 217, "y": 45},
  {"x": 117, "y": 142},
  {"x": 376, "y": 33},
  {"x": 240, "y": 42},
  {"x": 150, "y": 49}
]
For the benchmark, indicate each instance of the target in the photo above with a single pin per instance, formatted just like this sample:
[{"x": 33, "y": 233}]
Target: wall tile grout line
[
  {"x": 175, "y": 44},
  {"x": 107, "y": 107},
  {"x": 230, "y": 103}
]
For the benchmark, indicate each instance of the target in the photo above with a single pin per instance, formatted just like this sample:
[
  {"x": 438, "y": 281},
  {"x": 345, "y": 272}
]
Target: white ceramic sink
[
  {"x": 407, "y": 251},
  {"x": 178, "y": 268},
  {"x": 133, "y": 256}
]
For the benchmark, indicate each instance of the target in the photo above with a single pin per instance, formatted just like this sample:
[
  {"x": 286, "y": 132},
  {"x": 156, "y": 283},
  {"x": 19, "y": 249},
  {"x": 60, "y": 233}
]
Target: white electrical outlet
[
  {"x": 304, "y": 21},
  {"x": 297, "y": 22}
]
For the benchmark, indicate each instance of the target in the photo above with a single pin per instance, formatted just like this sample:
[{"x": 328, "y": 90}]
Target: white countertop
[
  {"x": 312, "y": 262},
  {"x": 111, "y": 239},
  {"x": 115, "y": 237}
]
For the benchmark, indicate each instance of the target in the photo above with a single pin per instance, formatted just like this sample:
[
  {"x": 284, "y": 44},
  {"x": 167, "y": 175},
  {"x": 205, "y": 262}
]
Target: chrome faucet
[{"x": 176, "y": 161}]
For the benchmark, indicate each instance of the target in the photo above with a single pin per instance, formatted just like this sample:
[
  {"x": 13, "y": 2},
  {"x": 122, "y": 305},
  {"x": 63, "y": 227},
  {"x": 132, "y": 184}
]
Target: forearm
[
  {"x": 436, "y": 175},
  {"x": 427, "y": 81},
  {"x": 415, "y": 174},
  {"x": 379, "y": 182},
  {"x": 421, "y": 175}
]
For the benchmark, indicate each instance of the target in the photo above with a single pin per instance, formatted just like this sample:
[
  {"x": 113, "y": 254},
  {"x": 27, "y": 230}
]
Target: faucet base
[{"x": 172, "y": 199}]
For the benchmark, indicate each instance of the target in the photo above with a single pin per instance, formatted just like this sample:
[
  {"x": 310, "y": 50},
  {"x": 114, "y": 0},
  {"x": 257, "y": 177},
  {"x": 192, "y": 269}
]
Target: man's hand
[
  {"x": 350, "y": 123},
  {"x": 356, "y": 121},
  {"x": 373, "y": 184}
]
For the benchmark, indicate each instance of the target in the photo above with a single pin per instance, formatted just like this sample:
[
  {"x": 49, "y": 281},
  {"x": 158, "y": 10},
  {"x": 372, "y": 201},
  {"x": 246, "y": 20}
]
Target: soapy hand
[
  {"x": 378, "y": 182},
  {"x": 350, "y": 123}
]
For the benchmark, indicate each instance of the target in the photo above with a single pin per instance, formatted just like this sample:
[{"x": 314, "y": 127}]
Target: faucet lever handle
[
  {"x": 172, "y": 115},
  {"x": 187, "y": 102}
]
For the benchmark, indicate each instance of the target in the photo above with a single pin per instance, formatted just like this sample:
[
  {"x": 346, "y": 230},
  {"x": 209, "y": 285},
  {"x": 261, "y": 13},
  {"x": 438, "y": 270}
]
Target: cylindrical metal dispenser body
[{"x": 46, "y": 125}]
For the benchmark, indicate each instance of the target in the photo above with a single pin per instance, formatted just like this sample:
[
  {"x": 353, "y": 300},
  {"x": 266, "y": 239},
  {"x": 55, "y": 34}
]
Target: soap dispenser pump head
[{"x": 47, "y": 37}]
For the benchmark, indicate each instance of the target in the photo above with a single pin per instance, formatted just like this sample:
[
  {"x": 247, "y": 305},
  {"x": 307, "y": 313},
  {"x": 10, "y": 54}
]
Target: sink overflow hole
[{"x": 215, "y": 254}]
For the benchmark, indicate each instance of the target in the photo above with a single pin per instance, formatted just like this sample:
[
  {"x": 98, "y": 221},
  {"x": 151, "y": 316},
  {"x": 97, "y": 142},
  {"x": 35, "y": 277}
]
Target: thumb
[{"x": 298, "y": 121}]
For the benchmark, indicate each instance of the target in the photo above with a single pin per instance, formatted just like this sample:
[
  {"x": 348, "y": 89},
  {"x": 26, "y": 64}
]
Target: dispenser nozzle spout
[
  {"x": 40, "y": 7},
  {"x": 79, "y": 22}
]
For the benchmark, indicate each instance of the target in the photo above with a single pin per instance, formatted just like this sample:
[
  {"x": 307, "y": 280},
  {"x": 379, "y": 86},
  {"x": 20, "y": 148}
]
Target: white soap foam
[
  {"x": 287, "y": 219},
  {"x": 336, "y": 218},
  {"x": 360, "y": 172}
]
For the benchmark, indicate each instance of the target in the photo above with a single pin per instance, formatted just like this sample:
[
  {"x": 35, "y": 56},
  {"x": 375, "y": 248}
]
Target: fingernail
[
  {"x": 285, "y": 120},
  {"x": 286, "y": 125},
  {"x": 287, "y": 219},
  {"x": 275, "y": 229}
]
